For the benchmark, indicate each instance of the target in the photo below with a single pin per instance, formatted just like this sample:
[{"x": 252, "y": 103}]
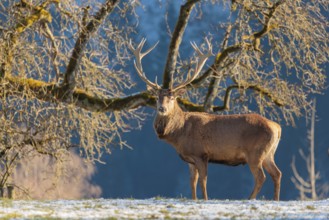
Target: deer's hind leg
[
  {"x": 275, "y": 173},
  {"x": 259, "y": 176}
]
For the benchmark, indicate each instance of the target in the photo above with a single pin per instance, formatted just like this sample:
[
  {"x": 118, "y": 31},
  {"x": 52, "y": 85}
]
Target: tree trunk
[{"x": 312, "y": 164}]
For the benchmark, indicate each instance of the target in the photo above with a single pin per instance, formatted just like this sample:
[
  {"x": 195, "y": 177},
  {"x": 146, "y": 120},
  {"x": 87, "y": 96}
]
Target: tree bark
[
  {"x": 69, "y": 78},
  {"x": 176, "y": 40}
]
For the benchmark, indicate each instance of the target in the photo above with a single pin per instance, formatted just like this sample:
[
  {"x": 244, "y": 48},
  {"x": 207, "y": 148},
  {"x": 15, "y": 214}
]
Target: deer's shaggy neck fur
[{"x": 167, "y": 126}]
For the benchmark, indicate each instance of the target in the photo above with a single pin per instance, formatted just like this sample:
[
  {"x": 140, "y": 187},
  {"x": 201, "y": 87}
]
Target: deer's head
[{"x": 166, "y": 98}]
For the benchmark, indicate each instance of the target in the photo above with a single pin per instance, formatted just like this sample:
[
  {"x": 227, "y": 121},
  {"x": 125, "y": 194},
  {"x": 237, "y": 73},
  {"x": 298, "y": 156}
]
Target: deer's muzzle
[{"x": 162, "y": 109}]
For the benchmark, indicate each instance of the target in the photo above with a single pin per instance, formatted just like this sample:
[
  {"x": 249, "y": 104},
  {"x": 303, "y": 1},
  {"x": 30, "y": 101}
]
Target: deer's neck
[{"x": 167, "y": 126}]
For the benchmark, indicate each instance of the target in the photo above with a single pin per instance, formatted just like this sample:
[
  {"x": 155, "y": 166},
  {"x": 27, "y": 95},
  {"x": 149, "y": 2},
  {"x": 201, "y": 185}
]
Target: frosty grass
[{"x": 161, "y": 208}]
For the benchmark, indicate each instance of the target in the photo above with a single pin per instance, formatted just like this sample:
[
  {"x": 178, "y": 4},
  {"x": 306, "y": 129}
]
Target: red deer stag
[{"x": 202, "y": 138}]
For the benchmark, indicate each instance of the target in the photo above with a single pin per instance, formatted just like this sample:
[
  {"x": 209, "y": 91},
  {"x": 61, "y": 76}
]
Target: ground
[{"x": 161, "y": 208}]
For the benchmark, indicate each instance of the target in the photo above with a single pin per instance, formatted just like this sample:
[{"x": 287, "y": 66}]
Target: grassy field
[{"x": 161, "y": 208}]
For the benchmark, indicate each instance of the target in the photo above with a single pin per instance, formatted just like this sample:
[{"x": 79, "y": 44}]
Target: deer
[{"x": 201, "y": 138}]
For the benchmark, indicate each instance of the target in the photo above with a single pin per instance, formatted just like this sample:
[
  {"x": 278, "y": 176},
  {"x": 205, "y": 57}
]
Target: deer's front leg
[
  {"x": 202, "y": 167},
  {"x": 194, "y": 176}
]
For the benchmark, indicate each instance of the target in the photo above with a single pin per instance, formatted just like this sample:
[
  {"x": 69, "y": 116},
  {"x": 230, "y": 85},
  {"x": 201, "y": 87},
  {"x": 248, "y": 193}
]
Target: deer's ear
[{"x": 180, "y": 92}]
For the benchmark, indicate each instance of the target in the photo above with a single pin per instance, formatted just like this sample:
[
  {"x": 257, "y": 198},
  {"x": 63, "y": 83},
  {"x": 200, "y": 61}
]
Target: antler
[
  {"x": 202, "y": 60},
  {"x": 138, "y": 62}
]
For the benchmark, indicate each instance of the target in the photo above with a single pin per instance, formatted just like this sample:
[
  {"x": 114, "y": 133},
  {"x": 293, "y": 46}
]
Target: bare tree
[
  {"x": 308, "y": 187},
  {"x": 65, "y": 64}
]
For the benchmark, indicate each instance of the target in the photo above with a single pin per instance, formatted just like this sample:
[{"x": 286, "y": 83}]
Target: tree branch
[
  {"x": 213, "y": 85},
  {"x": 302, "y": 189},
  {"x": 54, "y": 49},
  {"x": 69, "y": 82},
  {"x": 220, "y": 57},
  {"x": 39, "y": 14},
  {"x": 300, "y": 180},
  {"x": 54, "y": 93},
  {"x": 255, "y": 37},
  {"x": 189, "y": 106},
  {"x": 257, "y": 88},
  {"x": 176, "y": 40}
]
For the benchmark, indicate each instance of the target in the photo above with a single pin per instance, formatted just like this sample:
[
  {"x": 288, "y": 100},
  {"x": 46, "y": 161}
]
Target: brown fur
[{"x": 200, "y": 138}]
